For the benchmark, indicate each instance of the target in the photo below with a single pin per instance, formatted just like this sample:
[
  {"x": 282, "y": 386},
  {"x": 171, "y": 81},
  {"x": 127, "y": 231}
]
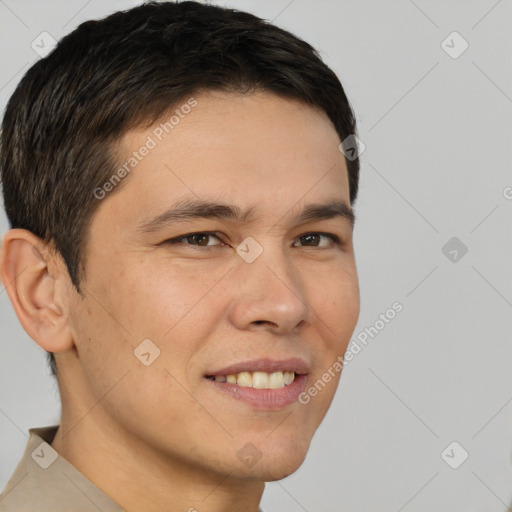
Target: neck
[{"x": 138, "y": 476}]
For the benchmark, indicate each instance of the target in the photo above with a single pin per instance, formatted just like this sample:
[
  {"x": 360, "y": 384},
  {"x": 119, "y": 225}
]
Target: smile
[
  {"x": 257, "y": 380},
  {"x": 263, "y": 384}
]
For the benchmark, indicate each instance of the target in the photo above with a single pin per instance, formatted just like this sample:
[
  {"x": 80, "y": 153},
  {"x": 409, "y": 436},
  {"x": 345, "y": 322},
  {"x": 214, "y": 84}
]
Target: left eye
[{"x": 315, "y": 239}]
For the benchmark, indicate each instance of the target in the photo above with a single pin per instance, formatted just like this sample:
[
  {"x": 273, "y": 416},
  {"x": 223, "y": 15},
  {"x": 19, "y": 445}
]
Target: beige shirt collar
[{"x": 46, "y": 482}]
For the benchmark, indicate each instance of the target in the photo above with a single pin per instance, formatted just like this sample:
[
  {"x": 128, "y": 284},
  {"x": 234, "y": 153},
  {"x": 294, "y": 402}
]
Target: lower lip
[{"x": 264, "y": 399}]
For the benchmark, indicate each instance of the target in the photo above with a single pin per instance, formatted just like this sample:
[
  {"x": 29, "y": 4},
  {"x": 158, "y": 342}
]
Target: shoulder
[{"x": 46, "y": 482}]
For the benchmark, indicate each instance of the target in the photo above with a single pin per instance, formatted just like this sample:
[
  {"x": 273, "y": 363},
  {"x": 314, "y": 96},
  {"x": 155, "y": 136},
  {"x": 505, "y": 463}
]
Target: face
[{"x": 243, "y": 306}]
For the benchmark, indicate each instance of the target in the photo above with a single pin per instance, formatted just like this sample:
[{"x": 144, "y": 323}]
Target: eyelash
[{"x": 179, "y": 239}]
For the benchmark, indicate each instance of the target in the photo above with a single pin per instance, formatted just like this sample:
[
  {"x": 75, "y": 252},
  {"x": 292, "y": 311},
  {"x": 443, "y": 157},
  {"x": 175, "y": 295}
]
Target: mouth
[
  {"x": 263, "y": 384},
  {"x": 257, "y": 380}
]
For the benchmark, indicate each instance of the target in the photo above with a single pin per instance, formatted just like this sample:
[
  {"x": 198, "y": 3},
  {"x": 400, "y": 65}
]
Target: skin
[{"x": 162, "y": 428}]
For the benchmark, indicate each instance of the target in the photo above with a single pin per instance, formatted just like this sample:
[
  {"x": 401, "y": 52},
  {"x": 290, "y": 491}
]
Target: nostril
[{"x": 265, "y": 322}]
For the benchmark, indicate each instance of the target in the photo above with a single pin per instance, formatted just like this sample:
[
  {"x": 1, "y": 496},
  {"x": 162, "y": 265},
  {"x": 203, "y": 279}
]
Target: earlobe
[{"x": 35, "y": 283}]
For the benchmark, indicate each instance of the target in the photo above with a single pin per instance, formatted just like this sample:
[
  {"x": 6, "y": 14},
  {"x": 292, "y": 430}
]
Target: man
[{"x": 181, "y": 246}]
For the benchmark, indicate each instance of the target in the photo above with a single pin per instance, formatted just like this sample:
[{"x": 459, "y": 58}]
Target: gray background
[{"x": 438, "y": 134}]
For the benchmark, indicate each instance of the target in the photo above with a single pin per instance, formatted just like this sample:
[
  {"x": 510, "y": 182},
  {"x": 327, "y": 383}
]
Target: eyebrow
[{"x": 188, "y": 210}]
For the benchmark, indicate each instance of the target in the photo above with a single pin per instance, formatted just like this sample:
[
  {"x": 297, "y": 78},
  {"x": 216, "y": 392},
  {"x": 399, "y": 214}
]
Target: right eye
[{"x": 199, "y": 239}]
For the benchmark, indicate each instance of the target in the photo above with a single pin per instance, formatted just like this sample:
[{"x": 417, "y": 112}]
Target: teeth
[
  {"x": 276, "y": 380},
  {"x": 258, "y": 380},
  {"x": 288, "y": 378},
  {"x": 244, "y": 380}
]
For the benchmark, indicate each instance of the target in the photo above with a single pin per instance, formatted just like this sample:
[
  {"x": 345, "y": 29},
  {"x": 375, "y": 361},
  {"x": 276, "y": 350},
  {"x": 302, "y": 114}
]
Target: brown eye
[
  {"x": 196, "y": 239},
  {"x": 200, "y": 239},
  {"x": 313, "y": 239},
  {"x": 316, "y": 239}
]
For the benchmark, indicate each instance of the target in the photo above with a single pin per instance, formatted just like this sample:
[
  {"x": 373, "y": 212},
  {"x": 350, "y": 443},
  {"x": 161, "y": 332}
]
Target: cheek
[
  {"x": 162, "y": 296},
  {"x": 348, "y": 305},
  {"x": 143, "y": 301},
  {"x": 337, "y": 306},
  {"x": 168, "y": 305},
  {"x": 102, "y": 342}
]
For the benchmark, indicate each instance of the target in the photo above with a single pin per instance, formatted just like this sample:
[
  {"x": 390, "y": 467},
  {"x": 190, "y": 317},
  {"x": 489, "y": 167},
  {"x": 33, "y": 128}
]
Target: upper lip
[{"x": 293, "y": 364}]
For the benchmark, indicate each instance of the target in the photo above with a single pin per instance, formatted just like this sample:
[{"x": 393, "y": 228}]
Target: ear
[{"x": 36, "y": 281}]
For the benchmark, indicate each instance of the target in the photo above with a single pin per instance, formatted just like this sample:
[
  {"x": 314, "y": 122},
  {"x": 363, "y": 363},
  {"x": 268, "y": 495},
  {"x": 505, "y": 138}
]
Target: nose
[{"x": 270, "y": 294}]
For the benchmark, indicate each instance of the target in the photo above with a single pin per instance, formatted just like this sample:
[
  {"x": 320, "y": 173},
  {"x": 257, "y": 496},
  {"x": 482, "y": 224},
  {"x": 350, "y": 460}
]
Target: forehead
[{"x": 256, "y": 149}]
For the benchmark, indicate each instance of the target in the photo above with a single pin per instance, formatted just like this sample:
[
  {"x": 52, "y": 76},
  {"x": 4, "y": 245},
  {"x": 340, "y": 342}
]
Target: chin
[
  {"x": 282, "y": 471},
  {"x": 276, "y": 462},
  {"x": 271, "y": 471}
]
